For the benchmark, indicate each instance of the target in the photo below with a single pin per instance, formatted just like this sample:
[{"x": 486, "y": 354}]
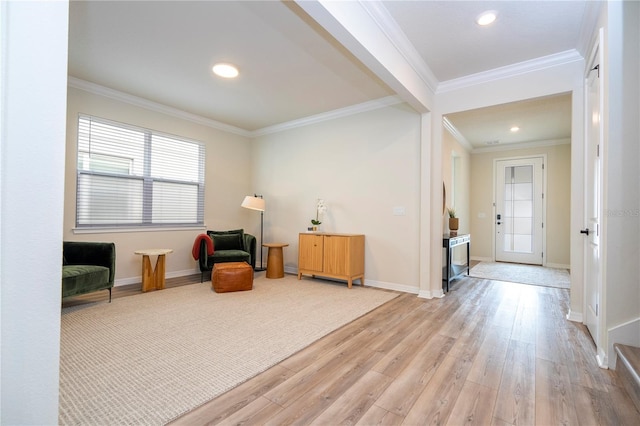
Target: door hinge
[
  {"x": 598, "y": 150},
  {"x": 597, "y": 67},
  {"x": 542, "y": 166},
  {"x": 597, "y": 308},
  {"x": 542, "y": 224}
]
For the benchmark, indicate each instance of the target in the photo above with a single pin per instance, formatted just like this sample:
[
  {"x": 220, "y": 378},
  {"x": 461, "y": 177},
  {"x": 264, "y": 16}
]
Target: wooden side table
[
  {"x": 153, "y": 279},
  {"x": 275, "y": 260}
]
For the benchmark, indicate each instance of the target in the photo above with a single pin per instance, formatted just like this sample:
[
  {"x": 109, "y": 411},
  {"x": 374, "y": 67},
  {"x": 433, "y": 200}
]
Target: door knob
[{"x": 584, "y": 231}]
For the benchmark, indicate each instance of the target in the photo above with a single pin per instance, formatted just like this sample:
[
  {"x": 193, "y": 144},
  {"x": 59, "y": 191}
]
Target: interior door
[
  {"x": 519, "y": 210},
  {"x": 593, "y": 173}
]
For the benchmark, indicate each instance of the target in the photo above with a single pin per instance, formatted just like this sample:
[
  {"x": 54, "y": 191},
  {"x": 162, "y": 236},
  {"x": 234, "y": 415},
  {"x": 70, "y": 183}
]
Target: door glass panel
[{"x": 518, "y": 209}]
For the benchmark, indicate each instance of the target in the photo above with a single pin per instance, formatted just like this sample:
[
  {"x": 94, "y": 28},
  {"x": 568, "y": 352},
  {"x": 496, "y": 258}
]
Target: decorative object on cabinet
[
  {"x": 338, "y": 256},
  {"x": 256, "y": 203},
  {"x": 453, "y": 220},
  {"x": 321, "y": 207}
]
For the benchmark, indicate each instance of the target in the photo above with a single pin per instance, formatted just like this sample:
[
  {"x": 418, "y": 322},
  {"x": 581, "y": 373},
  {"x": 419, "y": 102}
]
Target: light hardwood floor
[{"x": 489, "y": 353}]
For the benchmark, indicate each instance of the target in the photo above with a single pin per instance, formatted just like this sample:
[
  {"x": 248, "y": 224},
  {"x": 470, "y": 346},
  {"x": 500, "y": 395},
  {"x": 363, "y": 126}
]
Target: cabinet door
[
  {"x": 336, "y": 254},
  {"x": 310, "y": 252}
]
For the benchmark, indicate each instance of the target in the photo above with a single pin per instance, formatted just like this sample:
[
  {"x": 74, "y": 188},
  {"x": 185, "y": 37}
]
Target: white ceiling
[
  {"x": 540, "y": 120},
  {"x": 290, "y": 67}
]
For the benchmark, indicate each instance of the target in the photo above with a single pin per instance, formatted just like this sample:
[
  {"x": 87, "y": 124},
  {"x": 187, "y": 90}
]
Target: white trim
[
  {"x": 368, "y": 283},
  {"x": 329, "y": 115},
  {"x": 575, "y": 316},
  {"x": 482, "y": 259},
  {"x": 456, "y": 134},
  {"x": 391, "y": 286},
  {"x": 544, "y": 62},
  {"x": 558, "y": 266},
  {"x": 427, "y": 294},
  {"x": 390, "y": 28},
  {"x": 167, "y": 110},
  {"x": 138, "y": 279},
  {"x": 627, "y": 333},
  {"x": 602, "y": 359},
  {"x": 521, "y": 145},
  {"x": 153, "y": 106}
]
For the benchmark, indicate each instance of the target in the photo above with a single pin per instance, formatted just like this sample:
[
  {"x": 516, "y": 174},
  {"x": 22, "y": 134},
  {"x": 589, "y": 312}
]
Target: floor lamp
[{"x": 256, "y": 203}]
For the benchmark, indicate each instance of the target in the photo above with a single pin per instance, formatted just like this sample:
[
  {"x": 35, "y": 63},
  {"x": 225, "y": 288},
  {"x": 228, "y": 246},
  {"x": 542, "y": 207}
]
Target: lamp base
[{"x": 256, "y": 269}]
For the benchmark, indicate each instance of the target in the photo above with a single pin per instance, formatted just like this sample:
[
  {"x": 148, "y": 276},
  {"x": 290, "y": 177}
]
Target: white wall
[
  {"x": 621, "y": 222},
  {"x": 363, "y": 166},
  {"x": 33, "y": 78},
  {"x": 227, "y": 180}
]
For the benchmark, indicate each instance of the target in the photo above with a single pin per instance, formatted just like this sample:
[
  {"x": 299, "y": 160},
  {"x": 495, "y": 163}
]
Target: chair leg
[{"x": 109, "y": 295}]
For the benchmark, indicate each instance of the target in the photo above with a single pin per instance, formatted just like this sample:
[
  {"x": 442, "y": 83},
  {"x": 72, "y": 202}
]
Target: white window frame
[{"x": 181, "y": 204}]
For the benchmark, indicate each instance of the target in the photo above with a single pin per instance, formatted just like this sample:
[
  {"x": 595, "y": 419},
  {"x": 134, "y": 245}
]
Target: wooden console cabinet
[{"x": 338, "y": 256}]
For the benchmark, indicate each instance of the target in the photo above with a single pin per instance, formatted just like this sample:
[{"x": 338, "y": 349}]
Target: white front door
[
  {"x": 593, "y": 178},
  {"x": 519, "y": 210}
]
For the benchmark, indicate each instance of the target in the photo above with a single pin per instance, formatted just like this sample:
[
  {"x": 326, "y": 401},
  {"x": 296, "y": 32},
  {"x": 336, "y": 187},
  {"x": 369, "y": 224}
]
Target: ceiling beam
[{"x": 367, "y": 31}]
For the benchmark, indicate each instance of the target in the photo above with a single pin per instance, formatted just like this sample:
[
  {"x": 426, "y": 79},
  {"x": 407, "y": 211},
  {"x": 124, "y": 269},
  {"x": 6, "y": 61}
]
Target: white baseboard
[
  {"x": 626, "y": 334},
  {"x": 575, "y": 316},
  {"x": 392, "y": 286},
  {"x": 558, "y": 266},
  {"x": 602, "y": 359},
  {"x": 371, "y": 283},
  {"x": 428, "y": 294},
  {"x": 481, "y": 259},
  {"x": 138, "y": 279}
]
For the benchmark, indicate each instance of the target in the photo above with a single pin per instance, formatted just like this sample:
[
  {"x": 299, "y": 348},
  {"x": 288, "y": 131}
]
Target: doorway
[{"x": 519, "y": 210}]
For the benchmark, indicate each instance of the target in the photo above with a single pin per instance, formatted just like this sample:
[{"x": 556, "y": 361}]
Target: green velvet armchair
[
  {"x": 224, "y": 246},
  {"x": 87, "y": 267}
]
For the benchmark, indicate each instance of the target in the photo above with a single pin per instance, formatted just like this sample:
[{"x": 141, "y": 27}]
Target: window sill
[{"x": 98, "y": 230}]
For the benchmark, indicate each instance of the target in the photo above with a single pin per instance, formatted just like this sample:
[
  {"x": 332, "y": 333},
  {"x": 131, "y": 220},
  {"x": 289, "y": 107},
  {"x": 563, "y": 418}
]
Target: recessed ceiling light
[
  {"x": 486, "y": 18},
  {"x": 225, "y": 70},
  {"x": 515, "y": 129}
]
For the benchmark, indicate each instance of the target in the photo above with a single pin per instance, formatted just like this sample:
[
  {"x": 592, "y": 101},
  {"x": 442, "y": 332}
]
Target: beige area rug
[
  {"x": 149, "y": 358},
  {"x": 523, "y": 274}
]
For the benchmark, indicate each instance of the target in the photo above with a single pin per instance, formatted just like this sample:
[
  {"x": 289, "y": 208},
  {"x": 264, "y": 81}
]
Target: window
[{"x": 134, "y": 177}]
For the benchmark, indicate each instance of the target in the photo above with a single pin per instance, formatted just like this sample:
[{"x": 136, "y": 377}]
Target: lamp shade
[{"x": 253, "y": 203}]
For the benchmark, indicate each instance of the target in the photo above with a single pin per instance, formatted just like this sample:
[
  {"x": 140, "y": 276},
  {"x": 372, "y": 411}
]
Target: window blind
[{"x": 134, "y": 177}]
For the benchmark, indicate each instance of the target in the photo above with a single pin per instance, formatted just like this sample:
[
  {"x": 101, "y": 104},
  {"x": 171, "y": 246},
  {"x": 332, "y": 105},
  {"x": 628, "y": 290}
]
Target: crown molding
[
  {"x": 167, "y": 110},
  {"x": 588, "y": 29},
  {"x": 153, "y": 106},
  {"x": 566, "y": 57},
  {"x": 521, "y": 145},
  {"x": 456, "y": 134},
  {"x": 330, "y": 115},
  {"x": 390, "y": 28}
]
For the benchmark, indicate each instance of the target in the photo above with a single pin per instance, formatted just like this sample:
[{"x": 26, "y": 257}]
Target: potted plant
[
  {"x": 320, "y": 209},
  {"x": 453, "y": 220}
]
